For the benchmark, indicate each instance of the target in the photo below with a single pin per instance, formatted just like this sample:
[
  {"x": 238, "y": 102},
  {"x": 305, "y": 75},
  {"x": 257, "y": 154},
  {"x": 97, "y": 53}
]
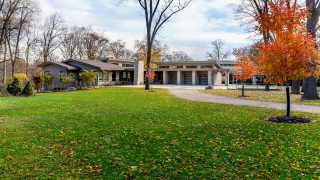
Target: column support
[
  {"x": 178, "y": 77},
  {"x": 209, "y": 78},
  {"x": 165, "y": 77},
  {"x": 193, "y": 78},
  {"x": 226, "y": 78}
]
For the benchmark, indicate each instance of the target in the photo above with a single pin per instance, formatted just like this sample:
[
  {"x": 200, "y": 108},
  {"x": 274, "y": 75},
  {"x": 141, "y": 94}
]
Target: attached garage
[
  {"x": 188, "y": 79},
  {"x": 173, "y": 79},
  {"x": 203, "y": 79}
]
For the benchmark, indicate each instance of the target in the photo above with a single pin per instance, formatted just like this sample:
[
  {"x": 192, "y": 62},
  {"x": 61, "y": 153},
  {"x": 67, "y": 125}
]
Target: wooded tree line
[{"x": 25, "y": 41}]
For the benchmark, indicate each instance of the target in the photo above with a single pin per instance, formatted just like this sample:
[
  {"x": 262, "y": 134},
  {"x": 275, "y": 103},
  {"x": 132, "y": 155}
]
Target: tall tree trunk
[
  {"x": 288, "y": 99},
  {"x": 27, "y": 59},
  {"x": 310, "y": 88},
  {"x": 5, "y": 64},
  {"x": 267, "y": 87},
  {"x": 11, "y": 57},
  {"x": 149, "y": 49},
  {"x": 242, "y": 94},
  {"x": 295, "y": 88}
]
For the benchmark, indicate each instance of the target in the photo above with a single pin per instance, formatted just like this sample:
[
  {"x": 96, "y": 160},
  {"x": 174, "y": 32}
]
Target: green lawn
[
  {"x": 269, "y": 96},
  {"x": 126, "y": 133}
]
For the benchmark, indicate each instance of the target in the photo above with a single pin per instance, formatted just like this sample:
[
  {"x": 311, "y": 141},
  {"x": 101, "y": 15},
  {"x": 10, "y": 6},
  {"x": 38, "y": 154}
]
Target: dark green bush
[
  {"x": 27, "y": 90},
  {"x": 14, "y": 87}
]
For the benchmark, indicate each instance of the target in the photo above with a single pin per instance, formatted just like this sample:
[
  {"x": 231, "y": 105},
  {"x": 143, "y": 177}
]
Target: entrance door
[
  {"x": 203, "y": 79},
  {"x": 188, "y": 79},
  {"x": 173, "y": 78}
]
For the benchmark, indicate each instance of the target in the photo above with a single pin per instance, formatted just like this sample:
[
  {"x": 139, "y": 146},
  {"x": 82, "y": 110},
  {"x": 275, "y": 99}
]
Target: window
[
  {"x": 114, "y": 78},
  {"x": 189, "y": 67},
  {"x": 163, "y": 67},
  {"x": 100, "y": 76},
  {"x": 206, "y": 66},
  {"x": 123, "y": 76},
  {"x": 177, "y": 67},
  {"x": 129, "y": 76},
  {"x": 106, "y": 76},
  {"x": 129, "y": 65}
]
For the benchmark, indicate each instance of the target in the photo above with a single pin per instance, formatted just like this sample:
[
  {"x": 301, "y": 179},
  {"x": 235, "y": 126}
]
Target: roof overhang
[
  {"x": 62, "y": 65},
  {"x": 180, "y": 63}
]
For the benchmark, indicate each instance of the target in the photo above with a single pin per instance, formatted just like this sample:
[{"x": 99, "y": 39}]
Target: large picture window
[{"x": 114, "y": 76}]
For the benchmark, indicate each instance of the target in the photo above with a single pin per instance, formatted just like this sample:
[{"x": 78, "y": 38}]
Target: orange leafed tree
[
  {"x": 244, "y": 68},
  {"x": 293, "y": 55},
  {"x": 150, "y": 74}
]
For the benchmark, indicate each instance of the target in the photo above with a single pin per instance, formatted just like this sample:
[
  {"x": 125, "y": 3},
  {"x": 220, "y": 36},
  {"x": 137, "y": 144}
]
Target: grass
[
  {"x": 125, "y": 133},
  {"x": 268, "y": 96}
]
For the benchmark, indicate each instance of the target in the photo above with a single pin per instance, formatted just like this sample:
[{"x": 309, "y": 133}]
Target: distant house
[{"x": 109, "y": 71}]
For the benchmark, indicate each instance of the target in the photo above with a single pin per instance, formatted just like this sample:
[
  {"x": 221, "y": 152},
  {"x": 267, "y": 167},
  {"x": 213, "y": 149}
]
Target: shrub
[
  {"x": 27, "y": 90},
  {"x": 48, "y": 78},
  {"x": 66, "y": 79},
  {"x": 21, "y": 76},
  {"x": 37, "y": 82},
  {"x": 14, "y": 87},
  {"x": 88, "y": 77}
]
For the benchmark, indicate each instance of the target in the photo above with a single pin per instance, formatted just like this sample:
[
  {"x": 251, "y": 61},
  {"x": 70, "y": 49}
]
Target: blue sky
[{"x": 191, "y": 30}]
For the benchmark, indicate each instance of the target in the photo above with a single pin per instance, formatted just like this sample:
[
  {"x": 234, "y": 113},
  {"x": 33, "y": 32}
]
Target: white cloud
[{"x": 190, "y": 30}]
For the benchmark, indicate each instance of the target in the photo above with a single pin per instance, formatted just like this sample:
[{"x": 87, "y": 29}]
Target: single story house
[{"x": 114, "y": 71}]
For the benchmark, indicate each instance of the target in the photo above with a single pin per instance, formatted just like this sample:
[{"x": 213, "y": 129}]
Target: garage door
[
  {"x": 187, "y": 78},
  {"x": 203, "y": 79},
  {"x": 173, "y": 78}
]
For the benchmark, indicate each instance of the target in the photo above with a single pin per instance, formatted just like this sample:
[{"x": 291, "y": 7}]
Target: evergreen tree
[
  {"x": 27, "y": 90},
  {"x": 14, "y": 87}
]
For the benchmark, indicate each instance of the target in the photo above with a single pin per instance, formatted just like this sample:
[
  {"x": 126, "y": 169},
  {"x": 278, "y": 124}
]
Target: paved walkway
[
  {"x": 195, "y": 95},
  {"x": 191, "y": 93}
]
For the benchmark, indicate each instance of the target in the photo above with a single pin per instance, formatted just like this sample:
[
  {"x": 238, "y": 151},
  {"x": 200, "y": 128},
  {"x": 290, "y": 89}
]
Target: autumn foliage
[
  {"x": 150, "y": 74},
  {"x": 292, "y": 55},
  {"x": 244, "y": 68}
]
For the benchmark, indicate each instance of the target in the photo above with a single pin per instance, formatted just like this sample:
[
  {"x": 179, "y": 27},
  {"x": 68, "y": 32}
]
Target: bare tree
[
  {"x": 217, "y": 53},
  {"x": 80, "y": 34},
  {"x": 95, "y": 45},
  {"x": 128, "y": 54},
  {"x": 157, "y": 12},
  {"x": 118, "y": 49},
  {"x": 69, "y": 44},
  {"x": 19, "y": 23},
  {"x": 32, "y": 39},
  {"x": 177, "y": 56},
  {"x": 52, "y": 29},
  {"x": 8, "y": 9}
]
